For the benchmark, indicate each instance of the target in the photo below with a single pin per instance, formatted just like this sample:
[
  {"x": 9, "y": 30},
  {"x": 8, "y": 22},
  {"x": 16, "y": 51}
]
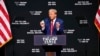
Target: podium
[{"x": 50, "y": 40}]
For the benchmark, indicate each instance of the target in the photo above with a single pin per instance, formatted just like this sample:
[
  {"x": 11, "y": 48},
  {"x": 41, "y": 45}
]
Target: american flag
[
  {"x": 97, "y": 19},
  {"x": 5, "y": 30}
]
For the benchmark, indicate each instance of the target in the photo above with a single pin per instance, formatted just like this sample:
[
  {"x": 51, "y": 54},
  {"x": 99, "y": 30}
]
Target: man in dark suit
[{"x": 52, "y": 26}]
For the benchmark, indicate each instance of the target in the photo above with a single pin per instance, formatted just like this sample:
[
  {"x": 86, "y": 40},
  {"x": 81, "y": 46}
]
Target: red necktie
[{"x": 51, "y": 27}]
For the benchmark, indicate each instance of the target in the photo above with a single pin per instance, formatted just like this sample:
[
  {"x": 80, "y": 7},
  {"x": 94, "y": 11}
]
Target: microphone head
[{"x": 42, "y": 22}]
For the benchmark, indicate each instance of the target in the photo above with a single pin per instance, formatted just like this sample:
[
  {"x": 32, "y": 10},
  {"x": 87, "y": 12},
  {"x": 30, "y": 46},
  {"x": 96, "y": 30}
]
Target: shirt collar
[{"x": 54, "y": 20}]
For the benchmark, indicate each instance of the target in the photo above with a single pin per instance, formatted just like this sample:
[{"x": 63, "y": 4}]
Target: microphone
[{"x": 42, "y": 22}]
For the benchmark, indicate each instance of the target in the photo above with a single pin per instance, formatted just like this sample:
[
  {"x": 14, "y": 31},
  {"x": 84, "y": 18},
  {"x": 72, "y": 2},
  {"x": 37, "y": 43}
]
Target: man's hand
[
  {"x": 57, "y": 25},
  {"x": 42, "y": 24}
]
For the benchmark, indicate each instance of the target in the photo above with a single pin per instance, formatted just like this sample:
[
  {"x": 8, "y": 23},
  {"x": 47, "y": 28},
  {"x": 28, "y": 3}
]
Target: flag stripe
[
  {"x": 1, "y": 40},
  {"x": 97, "y": 25},
  {"x": 3, "y": 5},
  {"x": 4, "y": 12},
  {"x": 5, "y": 20},
  {"x": 4, "y": 31},
  {"x": 98, "y": 12},
  {"x": 0, "y": 43},
  {"x": 4, "y": 25},
  {"x": 97, "y": 19},
  {"x": 2, "y": 34}
]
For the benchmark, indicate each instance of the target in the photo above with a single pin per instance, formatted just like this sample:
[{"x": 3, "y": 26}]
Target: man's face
[{"x": 52, "y": 15}]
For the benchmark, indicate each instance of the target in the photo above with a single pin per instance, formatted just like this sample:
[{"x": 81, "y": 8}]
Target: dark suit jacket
[
  {"x": 46, "y": 31},
  {"x": 55, "y": 32}
]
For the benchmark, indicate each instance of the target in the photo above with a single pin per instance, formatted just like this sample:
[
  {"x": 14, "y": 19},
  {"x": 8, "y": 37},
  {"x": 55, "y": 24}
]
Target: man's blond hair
[{"x": 53, "y": 10}]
